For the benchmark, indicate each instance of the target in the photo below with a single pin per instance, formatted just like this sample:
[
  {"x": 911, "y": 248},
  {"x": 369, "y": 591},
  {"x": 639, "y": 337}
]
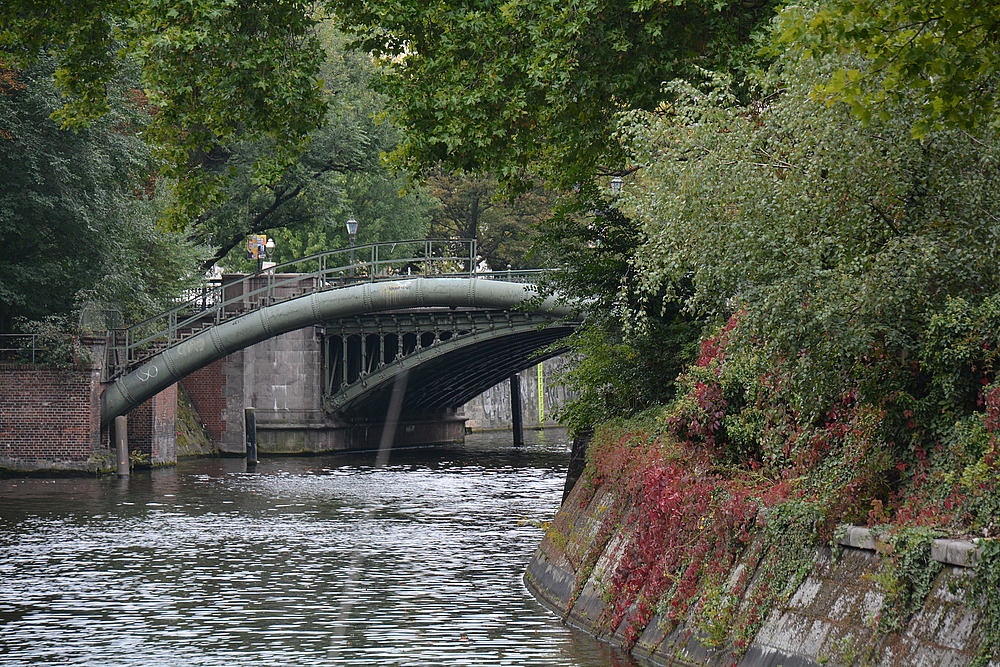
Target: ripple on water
[{"x": 307, "y": 562}]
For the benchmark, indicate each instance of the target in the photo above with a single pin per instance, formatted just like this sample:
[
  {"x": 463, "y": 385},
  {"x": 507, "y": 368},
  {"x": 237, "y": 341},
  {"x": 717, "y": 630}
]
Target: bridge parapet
[{"x": 216, "y": 303}]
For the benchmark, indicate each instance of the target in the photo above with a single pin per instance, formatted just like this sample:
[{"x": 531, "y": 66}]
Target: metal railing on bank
[
  {"x": 223, "y": 300},
  {"x": 20, "y": 348}
]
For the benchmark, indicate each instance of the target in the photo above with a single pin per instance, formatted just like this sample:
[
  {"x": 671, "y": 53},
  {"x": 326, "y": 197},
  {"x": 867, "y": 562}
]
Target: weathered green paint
[{"x": 166, "y": 368}]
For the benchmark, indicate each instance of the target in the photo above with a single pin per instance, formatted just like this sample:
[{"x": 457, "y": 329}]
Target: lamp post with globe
[{"x": 352, "y": 232}]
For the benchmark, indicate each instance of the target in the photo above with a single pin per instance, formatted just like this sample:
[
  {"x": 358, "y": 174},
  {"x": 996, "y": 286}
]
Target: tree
[
  {"x": 374, "y": 199},
  {"x": 215, "y": 71},
  {"x": 616, "y": 369},
  {"x": 78, "y": 209},
  {"x": 516, "y": 89},
  {"x": 338, "y": 173},
  {"x": 837, "y": 251},
  {"x": 471, "y": 207},
  {"x": 941, "y": 52}
]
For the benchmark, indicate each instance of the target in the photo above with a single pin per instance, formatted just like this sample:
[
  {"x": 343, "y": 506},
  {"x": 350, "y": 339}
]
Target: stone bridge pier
[{"x": 282, "y": 379}]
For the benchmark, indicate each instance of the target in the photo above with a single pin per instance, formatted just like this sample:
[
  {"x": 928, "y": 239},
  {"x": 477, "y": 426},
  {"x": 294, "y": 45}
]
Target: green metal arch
[{"x": 166, "y": 368}]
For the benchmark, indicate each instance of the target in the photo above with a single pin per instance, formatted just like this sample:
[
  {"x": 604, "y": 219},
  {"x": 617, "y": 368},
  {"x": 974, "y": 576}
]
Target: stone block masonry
[
  {"x": 830, "y": 620},
  {"x": 279, "y": 377}
]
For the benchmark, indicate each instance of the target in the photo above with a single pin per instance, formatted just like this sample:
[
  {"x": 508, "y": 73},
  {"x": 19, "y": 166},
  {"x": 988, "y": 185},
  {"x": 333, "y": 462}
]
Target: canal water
[{"x": 303, "y": 561}]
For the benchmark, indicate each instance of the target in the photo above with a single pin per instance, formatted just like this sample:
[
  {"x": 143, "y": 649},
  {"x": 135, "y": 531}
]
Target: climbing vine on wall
[
  {"x": 722, "y": 497},
  {"x": 691, "y": 524},
  {"x": 985, "y": 588},
  {"x": 906, "y": 574}
]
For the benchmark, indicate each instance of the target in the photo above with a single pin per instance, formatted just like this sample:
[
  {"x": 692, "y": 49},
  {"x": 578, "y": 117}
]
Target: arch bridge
[{"x": 417, "y": 307}]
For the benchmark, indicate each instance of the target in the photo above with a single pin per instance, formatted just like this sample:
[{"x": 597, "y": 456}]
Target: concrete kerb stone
[{"x": 963, "y": 553}]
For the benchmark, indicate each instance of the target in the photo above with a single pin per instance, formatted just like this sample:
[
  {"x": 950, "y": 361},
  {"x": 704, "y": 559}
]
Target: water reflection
[{"x": 302, "y": 562}]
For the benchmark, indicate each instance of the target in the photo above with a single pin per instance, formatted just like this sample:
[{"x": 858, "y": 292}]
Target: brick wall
[
  {"x": 152, "y": 429},
  {"x": 207, "y": 389},
  {"x": 49, "y": 419}
]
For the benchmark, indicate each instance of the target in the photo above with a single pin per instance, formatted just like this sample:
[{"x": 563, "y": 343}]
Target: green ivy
[
  {"x": 906, "y": 574},
  {"x": 985, "y": 588}
]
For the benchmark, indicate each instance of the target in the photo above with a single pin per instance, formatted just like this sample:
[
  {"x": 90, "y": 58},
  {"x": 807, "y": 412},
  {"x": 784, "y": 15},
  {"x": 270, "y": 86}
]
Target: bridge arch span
[
  {"x": 171, "y": 365},
  {"x": 452, "y": 373}
]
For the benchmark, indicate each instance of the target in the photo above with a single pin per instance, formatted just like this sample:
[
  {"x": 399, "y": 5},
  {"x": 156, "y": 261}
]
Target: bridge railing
[{"x": 219, "y": 301}]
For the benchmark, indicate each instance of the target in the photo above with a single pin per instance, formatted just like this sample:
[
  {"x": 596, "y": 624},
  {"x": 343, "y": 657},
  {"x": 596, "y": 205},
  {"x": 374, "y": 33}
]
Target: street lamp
[
  {"x": 352, "y": 232},
  {"x": 268, "y": 249},
  {"x": 616, "y": 184}
]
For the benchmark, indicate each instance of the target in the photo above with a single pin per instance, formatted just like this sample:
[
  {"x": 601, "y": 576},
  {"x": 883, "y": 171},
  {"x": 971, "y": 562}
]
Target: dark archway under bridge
[{"x": 449, "y": 356}]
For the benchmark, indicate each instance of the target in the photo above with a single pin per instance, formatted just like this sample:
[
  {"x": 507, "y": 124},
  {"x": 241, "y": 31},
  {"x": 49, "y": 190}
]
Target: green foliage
[
  {"x": 941, "y": 53},
  {"x": 56, "y": 343},
  {"x": 137, "y": 459},
  {"x": 387, "y": 208},
  {"x": 906, "y": 575},
  {"x": 854, "y": 268},
  {"x": 514, "y": 88},
  {"x": 214, "y": 72},
  {"x": 590, "y": 242},
  {"x": 338, "y": 174},
  {"x": 617, "y": 369},
  {"x": 961, "y": 345},
  {"x": 615, "y": 375},
  {"x": 841, "y": 242},
  {"x": 985, "y": 587},
  {"x": 78, "y": 209}
]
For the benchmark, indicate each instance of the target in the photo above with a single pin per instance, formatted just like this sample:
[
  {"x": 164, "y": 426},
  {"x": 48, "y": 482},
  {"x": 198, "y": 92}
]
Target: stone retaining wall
[
  {"x": 829, "y": 621},
  {"x": 491, "y": 409}
]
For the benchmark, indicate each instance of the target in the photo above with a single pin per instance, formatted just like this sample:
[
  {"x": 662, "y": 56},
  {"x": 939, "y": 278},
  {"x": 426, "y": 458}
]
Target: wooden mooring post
[
  {"x": 250, "y": 425},
  {"x": 517, "y": 419}
]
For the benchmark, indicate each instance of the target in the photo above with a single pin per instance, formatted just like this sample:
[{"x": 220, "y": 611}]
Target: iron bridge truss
[{"x": 454, "y": 355}]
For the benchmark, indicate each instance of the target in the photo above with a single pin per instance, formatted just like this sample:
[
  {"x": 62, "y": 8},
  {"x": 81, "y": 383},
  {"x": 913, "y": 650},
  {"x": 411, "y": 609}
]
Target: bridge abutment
[
  {"x": 50, "y": 420},
  {"x": 541, "y": 398},
  {"x": 152, "y": 430},
  {"x": 281, "y": 378}
]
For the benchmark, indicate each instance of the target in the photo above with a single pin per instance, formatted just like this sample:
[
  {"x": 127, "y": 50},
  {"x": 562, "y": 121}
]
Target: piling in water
[
  {"x": 517, "y": 422},
  {"x": 250, "y": 426},
  {"x": 121, "y": 445}
]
